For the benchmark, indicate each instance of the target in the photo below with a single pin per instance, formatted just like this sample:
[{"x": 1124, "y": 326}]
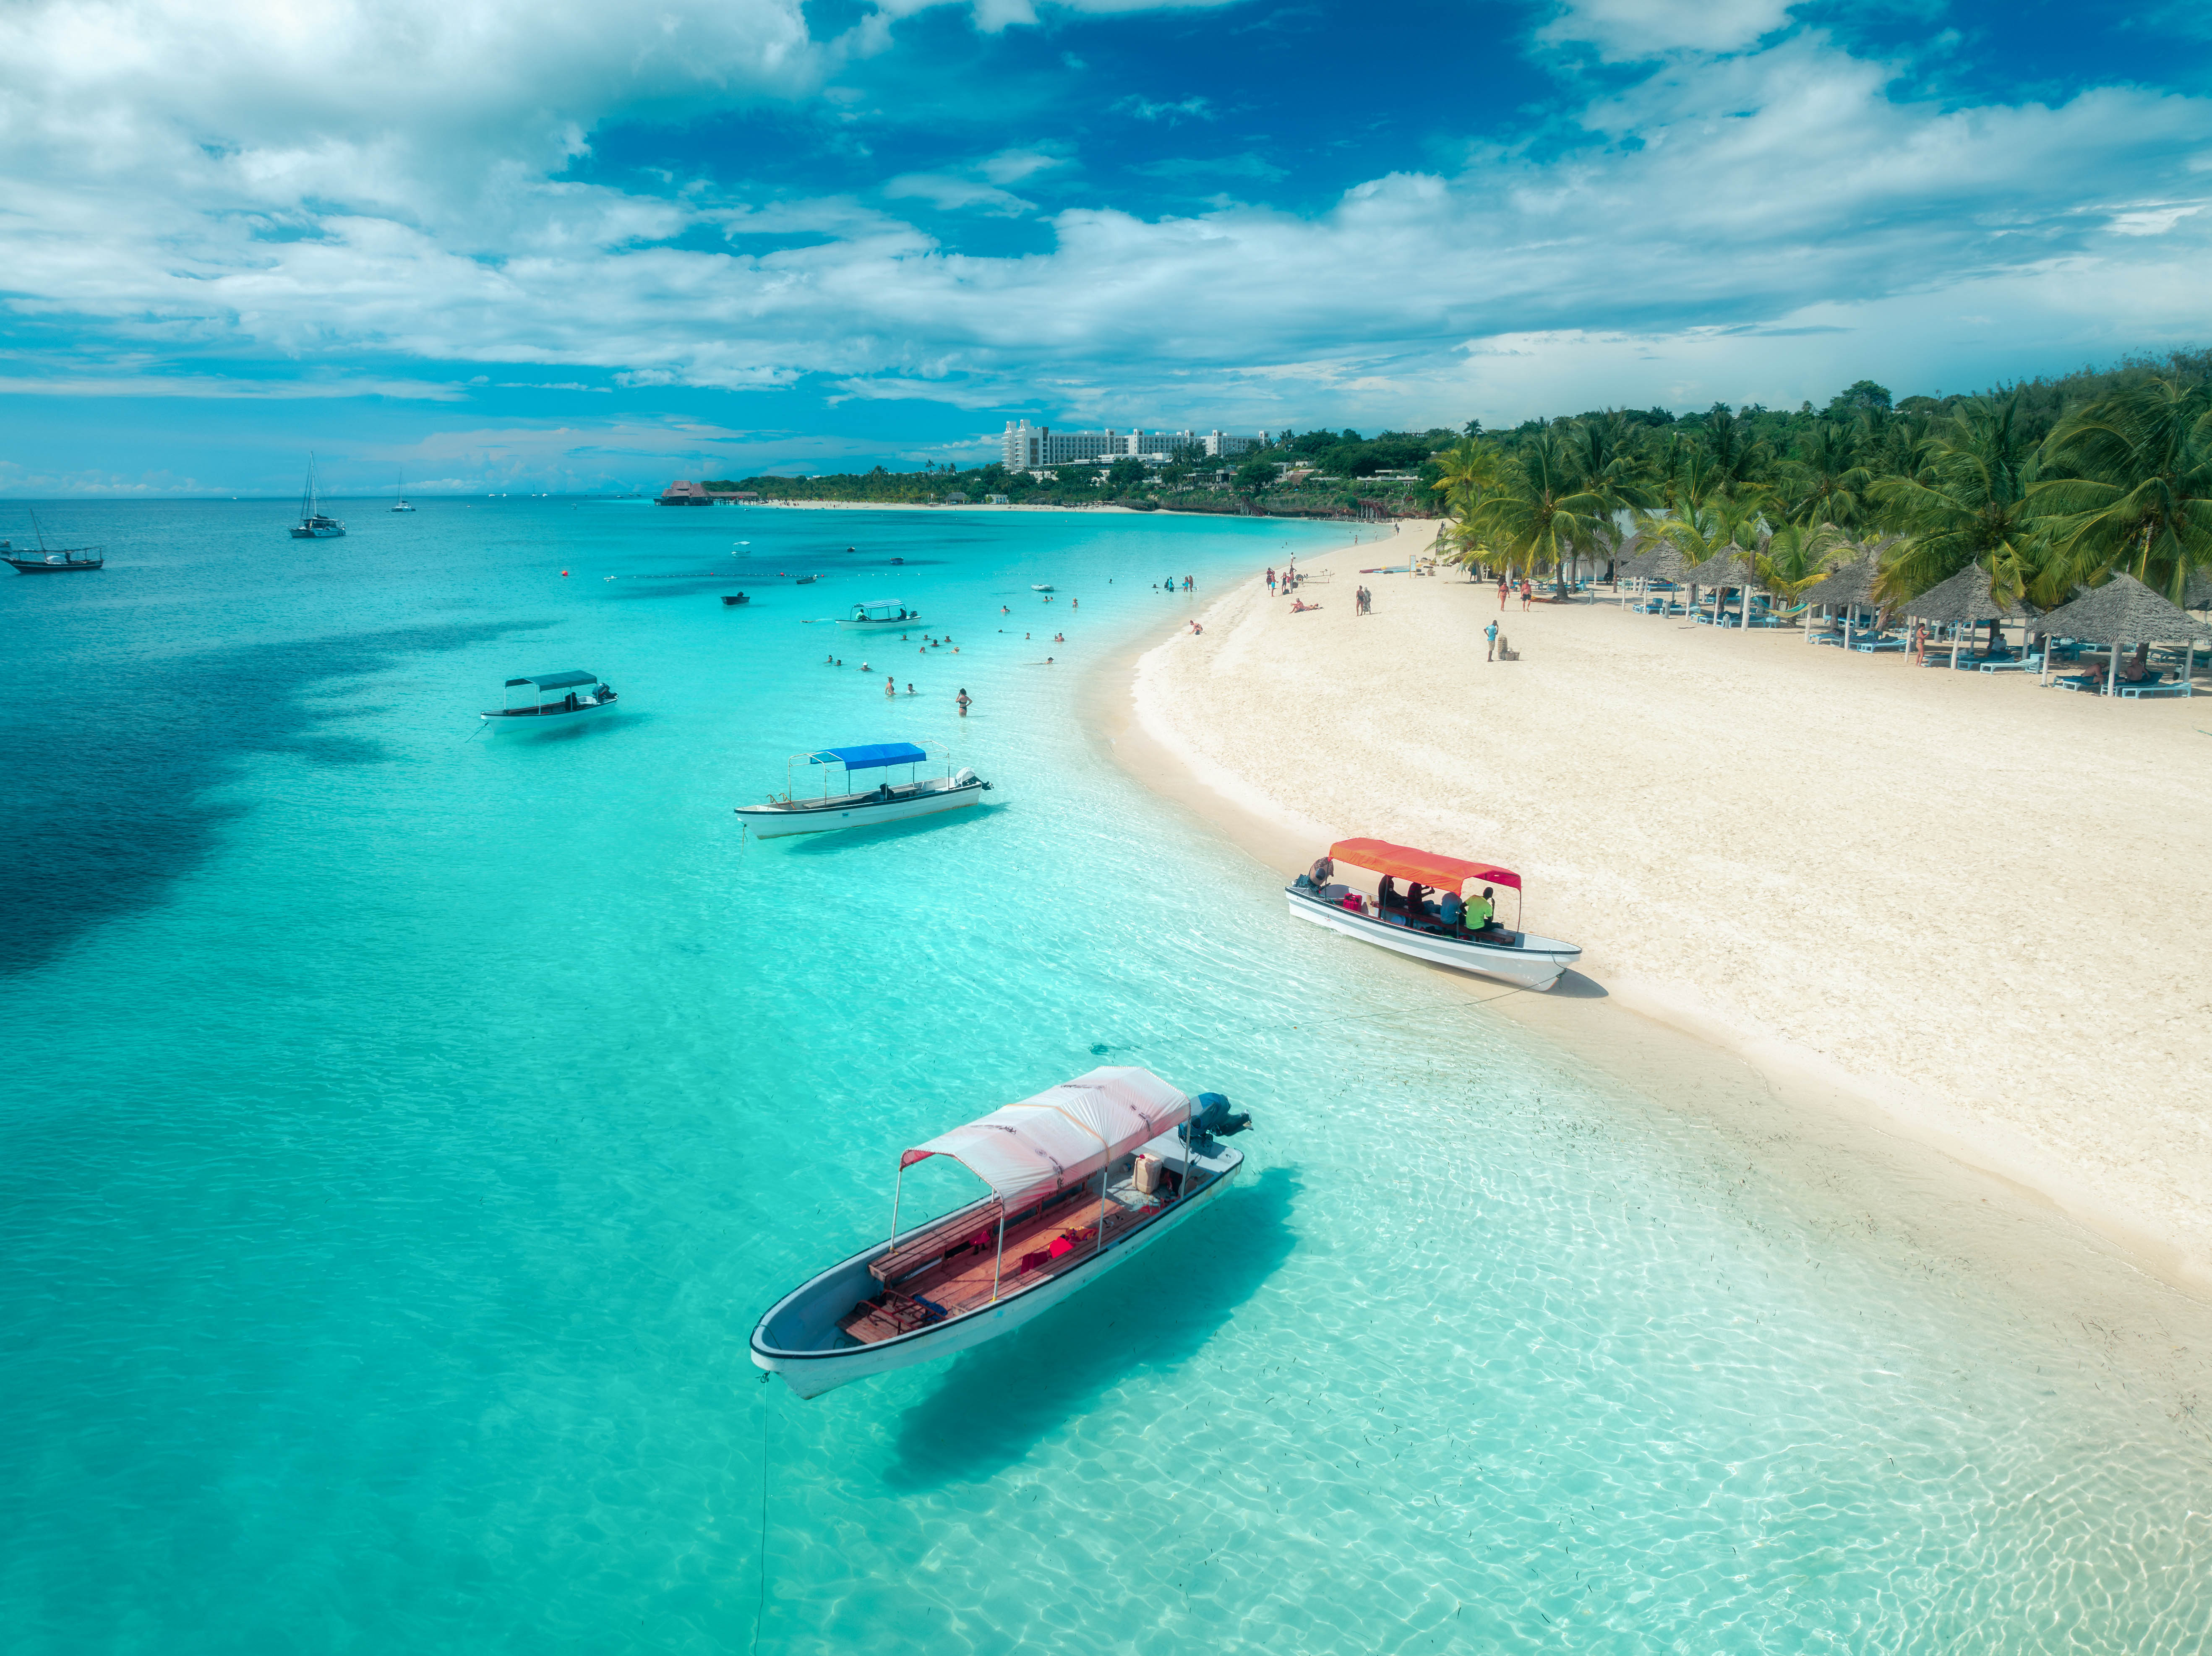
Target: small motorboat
[
  {"x": 552, "y": 699},
  {"x": 735, "y": 598},
  {"x": 1083, "y": 1177},
  {"x": 887, "y": 802},
  {"x": 805, "y": 580},
  {"x": 898, "y": 560},
  {"x": 876, "y": 616},
  {"x": 1046, "y": 588},
  {"x": 1517, "y": 957}
]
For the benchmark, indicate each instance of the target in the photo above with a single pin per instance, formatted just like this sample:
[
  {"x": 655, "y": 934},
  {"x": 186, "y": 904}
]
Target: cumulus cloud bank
[{"x": 324, "y": 180}]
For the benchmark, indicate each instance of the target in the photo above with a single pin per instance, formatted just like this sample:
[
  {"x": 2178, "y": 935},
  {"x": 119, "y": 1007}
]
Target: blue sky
[{"x": 524, "y": 244}]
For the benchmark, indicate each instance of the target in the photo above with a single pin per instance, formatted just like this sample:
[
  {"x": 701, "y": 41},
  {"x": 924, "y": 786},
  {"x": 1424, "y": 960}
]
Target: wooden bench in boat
[{"x": 954, "y": 1277}]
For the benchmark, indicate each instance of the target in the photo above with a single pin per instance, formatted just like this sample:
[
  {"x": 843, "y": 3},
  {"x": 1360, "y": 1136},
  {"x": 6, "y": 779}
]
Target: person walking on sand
[
  {"x": 963, "y": 700},
  {"x": 1490, "y": 633}
]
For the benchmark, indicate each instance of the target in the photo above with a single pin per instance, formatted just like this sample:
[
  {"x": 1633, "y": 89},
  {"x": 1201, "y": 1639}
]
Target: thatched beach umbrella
[
  {"x": 2124, "y": 611},
  {"x": 1730, "y": 566},
  {"x": 1964, "y": 600},
  {"x": 1852, "y": 585}
]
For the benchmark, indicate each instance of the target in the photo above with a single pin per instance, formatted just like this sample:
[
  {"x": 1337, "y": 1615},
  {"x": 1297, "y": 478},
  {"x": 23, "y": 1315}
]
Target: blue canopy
[{"x": 870, "y": 758}]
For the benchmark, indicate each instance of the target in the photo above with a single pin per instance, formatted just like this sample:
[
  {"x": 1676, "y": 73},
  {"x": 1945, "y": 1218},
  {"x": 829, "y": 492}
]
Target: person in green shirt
[{"x": 1480, "y": 910}]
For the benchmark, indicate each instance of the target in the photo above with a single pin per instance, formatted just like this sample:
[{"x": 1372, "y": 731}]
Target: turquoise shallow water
[{"x": 405, "y": 1130}]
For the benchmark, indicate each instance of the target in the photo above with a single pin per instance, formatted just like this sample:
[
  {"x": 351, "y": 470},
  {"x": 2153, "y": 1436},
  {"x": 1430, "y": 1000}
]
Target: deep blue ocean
[{"x": 403, "y": 1127}]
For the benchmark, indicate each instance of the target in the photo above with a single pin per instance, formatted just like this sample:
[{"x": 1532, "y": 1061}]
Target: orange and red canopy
[{"x": 1448, "y": 873}]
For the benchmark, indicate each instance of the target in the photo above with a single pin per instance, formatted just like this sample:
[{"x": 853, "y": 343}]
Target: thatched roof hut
[
  {"x": 1964, "y": 600},
  {"x": 2124, "y": 611},
  {"x": 2199, "y": 593},
  {"x": 1733, "y": 567},
  {"x": 1852, "y": 584}
]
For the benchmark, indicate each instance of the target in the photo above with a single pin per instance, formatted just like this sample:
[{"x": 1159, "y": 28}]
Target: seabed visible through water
[{"x": 406, "y": 1129}]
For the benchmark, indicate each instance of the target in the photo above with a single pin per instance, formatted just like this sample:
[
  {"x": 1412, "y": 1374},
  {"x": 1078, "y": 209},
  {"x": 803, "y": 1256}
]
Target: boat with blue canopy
[
  {"x": 548, "y": 699},
  {"x": 892, "y": 799}
]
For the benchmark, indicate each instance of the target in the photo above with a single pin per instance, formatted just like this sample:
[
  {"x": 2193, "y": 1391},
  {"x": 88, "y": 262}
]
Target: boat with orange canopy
[
  {"x": 1435, "y": 931},
  {"x": 1082, "y": 1177}
]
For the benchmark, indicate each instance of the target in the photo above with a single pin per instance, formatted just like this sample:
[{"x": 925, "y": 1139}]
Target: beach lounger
[
  {"x": 2135, "y": 692},
  {"x": 1836, "y": 639},
  {"x": 2093, "y": 683},
  {"x": 1881, "y": 644},
  {"x": 2023, "y": 663}
]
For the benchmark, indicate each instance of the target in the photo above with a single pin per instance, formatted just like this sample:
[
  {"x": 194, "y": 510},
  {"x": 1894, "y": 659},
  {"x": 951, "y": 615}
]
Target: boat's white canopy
[{"x": 1062, "y": 1136}]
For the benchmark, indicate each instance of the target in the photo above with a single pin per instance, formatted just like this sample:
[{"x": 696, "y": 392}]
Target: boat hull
[
  {"x": 812, "y": 1373},
  {"x": 1535, "y": 963},
  {"x": 778, "y": 821},
  {"x": 908, "y": 625},
  {"x": 520, "y": 722},
  {"x": 30, "y": 566}
]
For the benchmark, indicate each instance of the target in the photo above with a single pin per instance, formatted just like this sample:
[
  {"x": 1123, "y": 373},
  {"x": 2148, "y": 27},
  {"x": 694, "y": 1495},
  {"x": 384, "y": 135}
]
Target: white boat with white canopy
[
  {"x": 1455, "y": 929},
  {"x": 1082, "y": 1177},
  {"x": 888, "y": 801},
  {"x": 879, "y": 615},
  {"x": 550, "y": 699}
]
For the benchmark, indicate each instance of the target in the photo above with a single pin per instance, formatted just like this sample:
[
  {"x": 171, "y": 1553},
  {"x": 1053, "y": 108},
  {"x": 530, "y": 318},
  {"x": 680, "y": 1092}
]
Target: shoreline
[{"x": 2007, "y": 1213}]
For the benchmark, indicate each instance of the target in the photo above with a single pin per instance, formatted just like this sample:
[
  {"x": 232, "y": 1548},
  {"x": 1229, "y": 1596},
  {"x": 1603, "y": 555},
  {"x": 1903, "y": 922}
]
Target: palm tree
[
  {"x": 1969, "y": 504},
  {"x": 1798, "y": 556},
  {"x": 1826, "y": 482},
  {"x": 2133, "y": 489},
  {"x": 1543, "y": 515},
  {"x": 1606, "y": 452},
  {"x": 1469, "y": 472}
]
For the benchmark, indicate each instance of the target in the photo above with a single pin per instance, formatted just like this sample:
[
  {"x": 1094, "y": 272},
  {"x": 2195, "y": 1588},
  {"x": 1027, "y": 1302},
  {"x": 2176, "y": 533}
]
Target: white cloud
[
  {"x": 943, "y": 189},
  {"x": 1783, "y": 185},
  {"x": 1192, "y": 109},
  {"x": 222, "y": 388},
  {"x": 1624, "y": 30}
]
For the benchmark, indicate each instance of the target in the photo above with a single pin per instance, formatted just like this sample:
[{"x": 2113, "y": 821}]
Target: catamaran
[
  {"x": 550, "y": 698},
  {"x": 1438, "y": 932},
  {"x": 887, "y": 802},
  {"x": 875, "y": 617},
  {"x": 1083, "y": 1177},
  {"x": 400, "y": 490},
  {"x": 312, "y": 524}
]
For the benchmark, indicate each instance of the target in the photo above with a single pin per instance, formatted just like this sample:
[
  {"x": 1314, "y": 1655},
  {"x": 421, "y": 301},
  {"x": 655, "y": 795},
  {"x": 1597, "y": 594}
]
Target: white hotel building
[{"x": 1028, "y": 446}]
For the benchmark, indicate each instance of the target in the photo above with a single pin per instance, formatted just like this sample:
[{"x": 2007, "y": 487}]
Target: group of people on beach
[
  {"x": 1284, "y": 585},
  {"x": 1363, "y": 601},
  {"x": 1506, "y": 590}
]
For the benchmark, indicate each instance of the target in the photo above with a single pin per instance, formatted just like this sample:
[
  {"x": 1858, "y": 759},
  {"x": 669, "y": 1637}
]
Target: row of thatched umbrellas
[{"x": 2121, "y": 612}]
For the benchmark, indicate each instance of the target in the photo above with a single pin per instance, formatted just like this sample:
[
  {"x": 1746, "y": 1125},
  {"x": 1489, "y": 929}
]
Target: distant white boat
[
  {"x": 887, "y": 802},
  {"x": 876, "y": 616},
  {"x": 1388, "y": 921},
  {"x": 1046, "y": 588},
  {"x": 550, "y": 698},
  {"x": 400, "y": 489},
  {"x": 1083, "y": 1177}
]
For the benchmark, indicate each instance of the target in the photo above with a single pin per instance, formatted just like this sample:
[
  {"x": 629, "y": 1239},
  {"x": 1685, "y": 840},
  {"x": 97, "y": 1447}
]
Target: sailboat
[
  {"x": 312, "y": 524},
  {"x": 68, "y": 560},
  {"x": 400, "y": 505}
]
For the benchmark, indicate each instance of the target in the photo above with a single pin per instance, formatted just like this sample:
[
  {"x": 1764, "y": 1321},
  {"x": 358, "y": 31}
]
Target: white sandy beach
[{"x": 1971, "y": 905}]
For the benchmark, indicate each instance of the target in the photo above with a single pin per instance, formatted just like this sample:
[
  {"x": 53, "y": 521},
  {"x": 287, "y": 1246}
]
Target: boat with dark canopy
[
  {"x": 888, "y": 801},
  {"x": 1407, "y": 922},
  {"x": 550, "y": 698},
  {"x": 1082, "y": 1178}
]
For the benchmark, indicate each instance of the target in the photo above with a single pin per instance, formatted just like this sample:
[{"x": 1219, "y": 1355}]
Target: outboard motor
[{"x": 1213, "y": 1116}]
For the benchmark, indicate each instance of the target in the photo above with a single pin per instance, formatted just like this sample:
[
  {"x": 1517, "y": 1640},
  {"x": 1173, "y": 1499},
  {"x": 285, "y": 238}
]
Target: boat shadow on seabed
[{"x": 995, "y": 1404}]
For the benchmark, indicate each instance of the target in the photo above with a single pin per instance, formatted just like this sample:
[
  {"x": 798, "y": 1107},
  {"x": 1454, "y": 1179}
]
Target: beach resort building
[{"x": 1028, "y": 447}]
